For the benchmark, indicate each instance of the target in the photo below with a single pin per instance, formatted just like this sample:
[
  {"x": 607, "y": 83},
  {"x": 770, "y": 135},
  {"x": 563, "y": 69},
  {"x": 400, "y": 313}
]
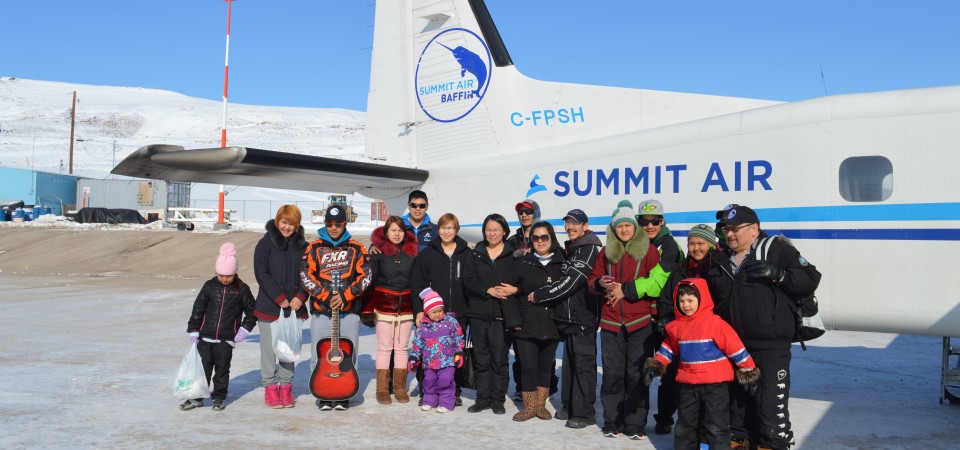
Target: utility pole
[
  {"x": 223, "y": 129},
  {"x": 73, "y": 120}
]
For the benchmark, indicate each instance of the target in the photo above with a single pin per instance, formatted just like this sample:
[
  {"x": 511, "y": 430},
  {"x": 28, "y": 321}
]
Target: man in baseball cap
[{"x": 576, "y": 317}]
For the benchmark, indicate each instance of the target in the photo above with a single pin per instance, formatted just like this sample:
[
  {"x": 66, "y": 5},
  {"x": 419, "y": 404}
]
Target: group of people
[{"x": 687, "y": 318}]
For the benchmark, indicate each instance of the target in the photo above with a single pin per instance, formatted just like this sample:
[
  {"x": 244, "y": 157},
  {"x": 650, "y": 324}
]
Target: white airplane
[{"x": 864, "y": 184}]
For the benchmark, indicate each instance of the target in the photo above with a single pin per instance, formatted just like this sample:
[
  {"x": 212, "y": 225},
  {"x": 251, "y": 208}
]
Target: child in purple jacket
[{"x": 438, "y": 344}]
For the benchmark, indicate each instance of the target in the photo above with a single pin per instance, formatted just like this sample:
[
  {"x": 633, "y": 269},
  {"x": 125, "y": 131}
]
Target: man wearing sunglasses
[
  {"x": 528, "y": 213},
  {"x": 418, "y": 221},
  {"x": 651, "y": 220},
  {"x": 335, "y": 272},
  {"x": 753, "y": 294}
]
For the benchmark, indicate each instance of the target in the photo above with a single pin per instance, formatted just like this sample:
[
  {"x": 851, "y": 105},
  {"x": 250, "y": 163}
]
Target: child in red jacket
[{"x": 703, "y": 342}]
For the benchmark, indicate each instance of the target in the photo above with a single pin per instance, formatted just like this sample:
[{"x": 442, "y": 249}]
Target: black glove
[
  {"x": 649, "y": 374},
  {"x": 662, "y": 325},
  {"x": 752, "y": 388},
  {"x": 765, "y": 271}
]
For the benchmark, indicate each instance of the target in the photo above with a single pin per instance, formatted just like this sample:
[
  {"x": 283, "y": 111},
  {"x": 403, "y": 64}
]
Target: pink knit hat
[
  {"x": 431, "y": 299},
  {"x": 227, "y": 261}
]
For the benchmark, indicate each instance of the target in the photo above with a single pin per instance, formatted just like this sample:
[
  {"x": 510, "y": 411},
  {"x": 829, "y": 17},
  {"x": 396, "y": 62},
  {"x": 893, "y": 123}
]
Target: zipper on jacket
[{"x": 223, "y": 300}]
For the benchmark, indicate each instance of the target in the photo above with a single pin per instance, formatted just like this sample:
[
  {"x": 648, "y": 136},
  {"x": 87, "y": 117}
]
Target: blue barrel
[
  {"x": 3, "y": 215},
  {"x": 27, "y": 214},
  {"x": 38, "y": 211},
  {"x": 17, "y": 215}
]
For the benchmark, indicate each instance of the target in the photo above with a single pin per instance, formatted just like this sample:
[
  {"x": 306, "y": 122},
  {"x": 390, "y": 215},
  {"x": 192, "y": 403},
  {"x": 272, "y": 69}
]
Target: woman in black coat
[
  {"x": 534, "y": 331},
  {"x": 488, "y": 266},
  {"x": 276, "y": 265}
]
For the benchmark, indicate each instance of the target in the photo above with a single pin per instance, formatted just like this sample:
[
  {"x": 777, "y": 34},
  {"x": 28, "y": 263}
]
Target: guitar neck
[{"x": 335, "y": 327}]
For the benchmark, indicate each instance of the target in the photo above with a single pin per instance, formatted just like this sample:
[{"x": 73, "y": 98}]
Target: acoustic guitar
[{"x": 335, "y": 377}]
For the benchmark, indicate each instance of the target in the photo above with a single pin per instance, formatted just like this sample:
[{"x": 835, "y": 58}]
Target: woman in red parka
[
  {"x": 626, "y": 337},
  {"x": 389, "y": 302}
]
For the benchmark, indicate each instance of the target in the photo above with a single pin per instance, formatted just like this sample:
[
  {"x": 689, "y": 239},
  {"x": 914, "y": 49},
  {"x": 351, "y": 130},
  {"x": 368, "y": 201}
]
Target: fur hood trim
[
  {"x": 636, "y": 247},
  {"x": 296, "y": 239},
  {"x": 410, "y": 244}
]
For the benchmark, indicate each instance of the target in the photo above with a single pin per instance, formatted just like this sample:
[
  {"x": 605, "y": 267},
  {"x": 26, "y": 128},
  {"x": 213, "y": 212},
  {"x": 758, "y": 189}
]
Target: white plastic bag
[
  {"x": 287, "y": 338},
  {"x": 191, "y": 381}
]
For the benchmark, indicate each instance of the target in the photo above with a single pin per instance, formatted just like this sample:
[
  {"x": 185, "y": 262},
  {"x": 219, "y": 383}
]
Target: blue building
[{"x": 56, "y": 191}]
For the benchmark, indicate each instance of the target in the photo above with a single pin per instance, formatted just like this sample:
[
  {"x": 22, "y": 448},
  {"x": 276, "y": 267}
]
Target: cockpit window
[{"x": 866, "y": 179}]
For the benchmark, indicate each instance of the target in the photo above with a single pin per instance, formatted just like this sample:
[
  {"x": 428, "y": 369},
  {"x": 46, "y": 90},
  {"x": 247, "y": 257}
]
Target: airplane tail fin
[{"x": 443, "y": 91}]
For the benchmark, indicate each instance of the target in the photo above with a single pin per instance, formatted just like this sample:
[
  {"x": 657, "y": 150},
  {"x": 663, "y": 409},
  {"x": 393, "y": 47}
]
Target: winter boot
[
  {"x": 740, "y": 443},
  {"x": 529, "y": 410},
  {"x": 383, "y": 390},
  {"x": 543, "y": 393},
  {"x": 271, "y": 396},
  {"x": 400, "y": 385},
  {"x": 286, "y": 396}
]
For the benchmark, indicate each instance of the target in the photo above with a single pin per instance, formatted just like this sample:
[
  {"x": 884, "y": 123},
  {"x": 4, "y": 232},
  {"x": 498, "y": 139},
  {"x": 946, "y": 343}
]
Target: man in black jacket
[
  {"x": 756, "y": 297},
  {"x": 576, "y": 314}
]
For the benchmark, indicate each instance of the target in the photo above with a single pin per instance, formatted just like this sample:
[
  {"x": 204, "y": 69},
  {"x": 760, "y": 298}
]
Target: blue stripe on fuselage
[{"x": 854, "y": 213}]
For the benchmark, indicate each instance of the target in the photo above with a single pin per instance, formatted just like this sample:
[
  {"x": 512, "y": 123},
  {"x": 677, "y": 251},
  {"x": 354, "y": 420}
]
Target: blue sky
[{"x": 317, "y": 53}]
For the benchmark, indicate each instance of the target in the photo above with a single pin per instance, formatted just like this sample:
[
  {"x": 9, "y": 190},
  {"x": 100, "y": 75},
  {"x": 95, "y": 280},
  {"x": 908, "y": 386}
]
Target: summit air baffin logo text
[{"x": 453, "y": 74}]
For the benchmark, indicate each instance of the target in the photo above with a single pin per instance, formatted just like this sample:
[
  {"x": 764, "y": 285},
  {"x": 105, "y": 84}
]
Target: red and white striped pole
[{"x": 223, "y": 128}]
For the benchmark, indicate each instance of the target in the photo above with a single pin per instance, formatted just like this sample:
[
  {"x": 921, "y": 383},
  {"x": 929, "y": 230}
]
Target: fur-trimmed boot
[
  {"x": 271, "y": 396},
  {"x": 400, "y": 385},
  {"x": 383, "y": 389},
  {"x": 286, "y": 396},
  {"x": 529, "y": 410},
  {"x": 543, "y": 393}
]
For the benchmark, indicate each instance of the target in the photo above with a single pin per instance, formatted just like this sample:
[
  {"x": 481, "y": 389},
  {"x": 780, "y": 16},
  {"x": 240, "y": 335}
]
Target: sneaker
[
  {"x": 218, "y": 405},
  {"x": 611, "y": 434},
  {"x": 442, "y": 410},
  {"x": 636, "y": 436},
  {"x": 190, "y": 404},
  {"x": 425, "y": 407},
  {"x": 561, "y": 414},
  {"x": 342, "y": 405},
  {"x": 662, "y": 428},
  {"x": 580, "y": 422},
  {"x": 498, "y": 409},
  {"x": 458, "y": 402},
  {"x": 325, "y": 406}
]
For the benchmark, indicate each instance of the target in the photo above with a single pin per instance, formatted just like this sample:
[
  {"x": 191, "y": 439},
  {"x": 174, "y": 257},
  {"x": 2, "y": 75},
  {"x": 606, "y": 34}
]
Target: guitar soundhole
[{"x": 334, "y": 356}]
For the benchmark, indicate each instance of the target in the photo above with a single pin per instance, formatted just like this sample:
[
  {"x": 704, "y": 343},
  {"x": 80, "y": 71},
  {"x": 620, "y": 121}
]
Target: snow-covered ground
[{"x": 93, "y": 362}]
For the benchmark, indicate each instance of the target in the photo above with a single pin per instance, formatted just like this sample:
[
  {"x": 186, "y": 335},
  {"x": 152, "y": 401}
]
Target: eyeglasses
[
  {"x": 493, "y": 231},
  {"x": 526, "y": 212},
  {"x": 645, "y": 222},
  {"x": 539, "y": 238},
  {"x": 735, "y": 229},
  {"x": 334, "y": 223},
  {"x": 417, "y": 205}
]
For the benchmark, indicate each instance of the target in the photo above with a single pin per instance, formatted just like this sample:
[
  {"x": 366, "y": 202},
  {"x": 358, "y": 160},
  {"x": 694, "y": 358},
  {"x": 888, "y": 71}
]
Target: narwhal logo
[{"x": 453, "y": 74}]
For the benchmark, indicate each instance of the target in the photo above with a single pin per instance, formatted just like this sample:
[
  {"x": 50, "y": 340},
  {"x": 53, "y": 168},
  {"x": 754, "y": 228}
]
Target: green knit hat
[
  {"x": 623, "y": 213},
  {"x": 705, "y": 232}
]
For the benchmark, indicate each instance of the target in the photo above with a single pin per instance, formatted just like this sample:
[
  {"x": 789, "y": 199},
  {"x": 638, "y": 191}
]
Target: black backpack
[{"x": 805, "y": 310}]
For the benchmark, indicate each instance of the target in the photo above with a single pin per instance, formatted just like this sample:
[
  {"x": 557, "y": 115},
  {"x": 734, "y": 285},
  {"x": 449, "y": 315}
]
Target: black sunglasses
[
  {"x": 528, "y": 212},
  {"x": 540, "y": 238},
  {"x": 417, "y": 205},
  {"x": 334, "y": 223},
  {"x": 645, "y": 222}
]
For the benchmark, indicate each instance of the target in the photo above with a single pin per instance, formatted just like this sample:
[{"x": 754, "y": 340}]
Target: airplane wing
[{"x": 265, "y": 168}]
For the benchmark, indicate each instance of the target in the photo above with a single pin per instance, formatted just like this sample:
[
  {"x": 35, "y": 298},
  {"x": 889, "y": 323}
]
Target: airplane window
[{"x": 866, "y": 179}]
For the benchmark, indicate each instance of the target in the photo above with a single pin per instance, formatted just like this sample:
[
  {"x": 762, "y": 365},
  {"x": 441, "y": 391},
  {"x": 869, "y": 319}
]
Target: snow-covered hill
[{"x": 112, "y": 122}]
